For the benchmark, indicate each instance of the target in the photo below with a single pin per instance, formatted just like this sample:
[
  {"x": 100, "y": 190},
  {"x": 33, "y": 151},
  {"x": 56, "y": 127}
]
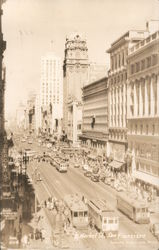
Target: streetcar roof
[
  {"x": 101, "y": 207},
  {"x": 75, "y": 203},
  {"x": 132, "y": 200}
]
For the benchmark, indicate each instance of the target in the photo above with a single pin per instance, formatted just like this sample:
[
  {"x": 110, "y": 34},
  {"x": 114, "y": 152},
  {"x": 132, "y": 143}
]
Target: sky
[{"x": 29, "y": 26}]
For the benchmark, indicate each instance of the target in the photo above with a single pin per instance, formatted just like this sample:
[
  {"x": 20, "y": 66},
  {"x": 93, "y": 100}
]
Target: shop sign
[{"x": 9, "y": 215}]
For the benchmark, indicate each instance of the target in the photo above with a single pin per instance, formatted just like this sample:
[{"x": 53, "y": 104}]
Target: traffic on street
[{"x": 83, "y": 200}]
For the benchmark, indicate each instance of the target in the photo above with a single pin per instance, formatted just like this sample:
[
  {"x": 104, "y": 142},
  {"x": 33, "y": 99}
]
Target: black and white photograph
[{"x": 79, "y": 124}]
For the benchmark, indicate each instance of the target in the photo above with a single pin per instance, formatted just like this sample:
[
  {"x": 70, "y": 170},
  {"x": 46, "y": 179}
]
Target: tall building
[
  {"x": 51, "y": 93},
  {"x": 2, "y": 92},
  {"x": 75, "y": 76},
  {"x": 95, "y": 116},
  {"x": 118, "y": 94},
  {"x": 8, "y": 210},
  {"x": 143, "y": 110},
  {"x": 31, "y": 112},
  {"x": 38, "y": 115}
]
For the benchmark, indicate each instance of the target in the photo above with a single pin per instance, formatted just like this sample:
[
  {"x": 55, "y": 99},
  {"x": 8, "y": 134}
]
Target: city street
[{"x": 59, "y": 184}]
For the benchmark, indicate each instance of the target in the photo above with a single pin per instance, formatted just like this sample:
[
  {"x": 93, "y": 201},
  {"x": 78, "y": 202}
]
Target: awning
[{"x": 116, "y": 164}]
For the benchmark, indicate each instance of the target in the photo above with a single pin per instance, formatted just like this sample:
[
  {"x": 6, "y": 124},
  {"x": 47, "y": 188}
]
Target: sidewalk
[{"x": 42, "y": 225}]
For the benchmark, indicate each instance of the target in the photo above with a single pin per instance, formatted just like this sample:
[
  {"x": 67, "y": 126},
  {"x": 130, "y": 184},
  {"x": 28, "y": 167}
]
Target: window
[
  {"x": 148, "y": 61},
  {"x": 110, "y": 221},
  {"x": 154, "y": 59},
  {"x": 79, "y": 126},
  {"x": 75, "y": 214},
  {"x": 142, "y": 64},
  {"x": 153, "y": 129},
  {"x": 141, "y": 129},
  {"x": 85, "y": 214},
  {"x": 119, "y": 60},
  {"x": 147, "y": 129},
  {"x": 80, "y": 214},
  {"x": 132, "y": 68},
  {"x": 135, "y": 128},
  {"x": 155, "y": 94},
  {"x": 137, "y": 67},
  {"x": 143, "y": 97},
  {"x": 138, "y": 97},
  {"x": 149, "y": 96}
]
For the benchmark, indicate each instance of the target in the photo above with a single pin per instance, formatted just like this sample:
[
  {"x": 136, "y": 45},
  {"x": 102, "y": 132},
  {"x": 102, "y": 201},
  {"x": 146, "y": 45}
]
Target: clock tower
[{"x": 76, "y": 69}]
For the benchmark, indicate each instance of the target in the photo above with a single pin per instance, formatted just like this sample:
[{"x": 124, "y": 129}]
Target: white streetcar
[
  {"x": 78, "y": 210},
  {"x": 103, "y": 217},
  {"x": 136, "y": 210}
]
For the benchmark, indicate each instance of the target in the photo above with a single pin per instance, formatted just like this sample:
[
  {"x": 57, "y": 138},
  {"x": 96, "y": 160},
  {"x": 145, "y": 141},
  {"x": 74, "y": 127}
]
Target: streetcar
[
  {"x": 78, "y": 211},
  {"x": 136, "y": 210},
  {"x": 61, "y": 167},
  {"x": 103, "y": 217}
]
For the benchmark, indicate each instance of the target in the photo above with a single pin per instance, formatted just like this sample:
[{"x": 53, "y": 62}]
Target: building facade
[
  {"x": 143, "y": 105},
  {"x": 8, "y": 208},
  {"x": 118, "y": 93},
  {"x": 75, "y": 76},
  {"x": 97, "y": 71},
  {"x": 51, "y": 93},
  {"x": 95, "y": 116}
]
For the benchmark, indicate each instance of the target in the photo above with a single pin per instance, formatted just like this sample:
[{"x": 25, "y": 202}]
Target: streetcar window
[
  {"x": 143, "y": 210},
  {"x": 85, "y": 214},
  {"x": 138, "y": 210},
  {"x": 104, "y": 220},
  {"x": 110, "y": 221},
  {"x": 75, "y": 214},
  {"x": 115, "y": 221},
  {"x": 80, "y": 214}
]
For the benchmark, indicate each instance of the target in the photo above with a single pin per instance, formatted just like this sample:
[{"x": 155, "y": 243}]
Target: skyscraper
[
  {"x": 75, "y": 77},
  {"x": 51, "y": 92}
]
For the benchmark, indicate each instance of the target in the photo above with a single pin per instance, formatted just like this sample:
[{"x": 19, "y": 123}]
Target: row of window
[
  {"x": 147, "y": 151},
  {"x": 143, "y": 129},
  {"x": 118, "y": 78},
  {"x": 118, "y": 60},
  {"x": 118, "y": 135},
  {"x": 153, "y": 170},
  {"x": 144, "y": 64},
  {"x": 143, "y": 99}
]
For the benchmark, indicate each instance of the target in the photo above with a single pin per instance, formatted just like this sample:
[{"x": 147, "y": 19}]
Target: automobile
[
  {"x": 154, "y": 229},
  {"x": 23, "y": 140},
  {"x": 85, "y": 167},
  {"x": 30, "y": 142},
  {"x": 119, "y": 188},
  {"x": 88, "y": 173},
  {"x": 95, "y": 177},
  {"x": 49, "y": 145},
  {"x": 61, "y": 167},
  {"x": 76, "y": 165}
]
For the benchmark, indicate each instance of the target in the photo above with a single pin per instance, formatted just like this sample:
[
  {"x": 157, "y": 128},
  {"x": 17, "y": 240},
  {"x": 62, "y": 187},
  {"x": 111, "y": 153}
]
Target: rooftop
[{"x": 144, "y": 43}]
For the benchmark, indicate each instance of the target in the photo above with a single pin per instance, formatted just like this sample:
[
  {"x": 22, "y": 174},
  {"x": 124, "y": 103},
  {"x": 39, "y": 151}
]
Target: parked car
[
  {"x": 61, "y": 167},
  {"x": 85, "y": 167},
  {"x": 76, "y": 165},
  {"x": 88, "y": 173},
  {"x": 95, "y": 177},
  {"x": 154, "y": 229}
]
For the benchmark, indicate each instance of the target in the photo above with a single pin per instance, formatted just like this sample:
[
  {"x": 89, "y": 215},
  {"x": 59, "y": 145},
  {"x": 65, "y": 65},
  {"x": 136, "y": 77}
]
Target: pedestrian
[{"x": 45, "y": 203}]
